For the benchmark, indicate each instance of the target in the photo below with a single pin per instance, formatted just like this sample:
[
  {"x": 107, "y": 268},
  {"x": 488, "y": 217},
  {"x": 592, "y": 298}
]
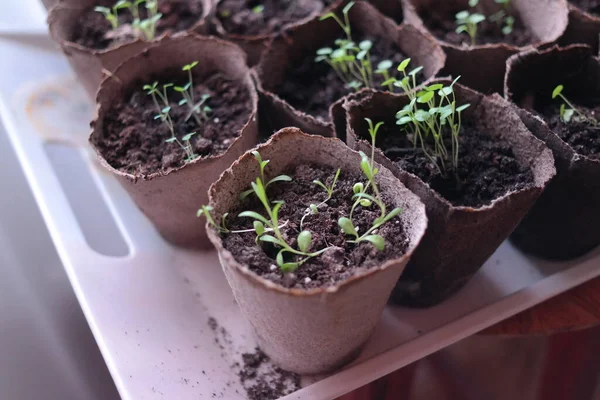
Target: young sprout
[
  {"x": 258, "y": 9},
  {"x": 200, "y": 110},
  {"x": 206, "y": 211},
  {"x": 408, "y": 83},
  {"x": 143, "y": 28},
  {"x": 503, "y": 18},
  {"x": 314, "y": 208},
  {"x": 262, "y": 165},
  {"x": 368, "y": 168},
  {"x": 566, "y": 114},
  {"x": 428, "y": 118},
  {"x": 350, "y": 61},
  {"x": 467, "y": 22}
]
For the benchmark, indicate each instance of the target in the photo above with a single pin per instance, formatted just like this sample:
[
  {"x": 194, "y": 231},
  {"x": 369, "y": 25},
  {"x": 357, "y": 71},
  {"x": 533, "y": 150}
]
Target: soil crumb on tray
[
  {"x": 442, "y": 23},
  {"x": 261, "y": 17},
  {"x": 134, "y": 141},
  {"x": 583, "y": 136},
  {"x": 487, "y": 167},
  {"x": 312, "y": 87},
  {"x": 263, "y": 380},
  {"x": 591, "y": 6},
  {"x": 94, "y": 31},
  {"x": 344, "y": 259}
]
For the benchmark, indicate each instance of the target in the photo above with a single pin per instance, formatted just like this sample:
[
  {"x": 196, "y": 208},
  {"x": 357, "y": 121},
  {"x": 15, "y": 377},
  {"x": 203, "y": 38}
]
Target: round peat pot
[
  {"x": 314, "y": 327},
  {"x": 304, "y": 93},
  {"x": 94, "y": 50},
  {"x": 565, "y": 222},
  {"x": 501, "y": 171},
  {"x": 252, "y": 27},
  {"x": 132, "y": 141},
  {"x": 482, "y": 65},
  {"x": 583, "y": 28}
]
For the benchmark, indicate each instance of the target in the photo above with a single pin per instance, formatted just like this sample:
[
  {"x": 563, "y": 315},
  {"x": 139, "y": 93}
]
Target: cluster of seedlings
[
  {"x": 197, "y": 109},
  {"x": 467, "y": 20},
  {"x": 267, "y": 226},
  {"x": 352, "y": 62},
  {"x": 142, "y": 28}
]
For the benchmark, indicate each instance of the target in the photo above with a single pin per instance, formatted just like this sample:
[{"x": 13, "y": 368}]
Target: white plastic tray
[{"x": 148, "y": 307}]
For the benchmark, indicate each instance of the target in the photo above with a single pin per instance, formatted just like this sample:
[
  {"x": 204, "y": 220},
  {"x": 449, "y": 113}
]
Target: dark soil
[
  {"x": 265, "y": 381},
  {"x": 313, "y": 87},
  {"x": 580, "y": 134},
  {"x": 335, "y": 265},
  {"x": 591, "y": 6},
  {"x": 135, "y": 142},
  {"x": 443, "y": 26},
  {"x": 95, "y": 32},
  {"x": 242, "y": 17},
  {"x": 487, "y": 167}
]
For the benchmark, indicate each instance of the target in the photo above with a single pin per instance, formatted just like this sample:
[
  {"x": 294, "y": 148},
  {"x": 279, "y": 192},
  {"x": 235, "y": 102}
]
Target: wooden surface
[{"x": 574, "y": 310}]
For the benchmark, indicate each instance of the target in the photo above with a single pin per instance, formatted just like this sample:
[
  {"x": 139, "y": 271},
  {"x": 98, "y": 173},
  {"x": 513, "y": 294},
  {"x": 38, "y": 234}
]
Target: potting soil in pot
[
  {"x": 581, "y": 134},
  {"x": 260, "y": 17},
  {"x": 442, "y": 23},
  {"x": 94, "y": 31},
  {"x": 135, "y": 141},
  {"x": 312, "y": 87},
  {"x": 487, "y": 168},
  {"x": 591, "y": 6},
  {"x": 335, "y": 265}
]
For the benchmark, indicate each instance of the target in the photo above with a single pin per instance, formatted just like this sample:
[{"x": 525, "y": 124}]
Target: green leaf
[
  {"x": 476, "y": 18},
  {"x": 324, "y": 51},
  {"x": 473, "y": 3},
  {"x": 304, "y": 241},
  {"x": 463, "y": 107},
  {"x": 179, "y": 89},
  {"x": 365, "y": 165},
  {"x": 257, "y": 156},
  {"x": 289, "y": 267},
  {"x": 259, "y": 228},
  {"x": 389, "y": 82},
  {"x": 361, "y": 55},
  {"x": 166, "y": 110},
  {"x": 366, "y": 45},
  {"x": 377, "y": 240},
  {"x": 260, "y": 192},
  {"x": 425, "y": 98},
  {"x": 280, "y": 178},
  {"x": 384, "y": 65},
  {"x": 246, "y": 193},
  {"x": 171, "y": 140},
  {"x": 271, "y": 239},
  {"x": 314, "y": 209},
  {"x": 188, "y": 136},
  {"x": 258, "y": 9},
  {"x": 461, "y": 29},
  {"x": 435, "y": 87},
  {"x": 322, "y": 185},
  {"x": 347, "y": 226},
  {"x": 358, "y": 188},
  {"x": 254, "y": 215},
  {"x": 462, "y": 15},
  {"x": 276, "y": 209},
  {"x": 327, "y": 16},
  {"x": 190, "y": 66},
  {"x": 403, "y": 65},
  {"x": 346, "y": 9},
  {"x": 103, "y": 10},
  {"x": 568, "y": 115},
  {"x": 182, "y": 102},
  {"x": 557, "y": 91},
  {"x": 279, "y": 258},
  {"x": 393, "y": 214},
  {"x": 404, "y": 120},
  {"x": 415, "y": 71},
  {"x": 365, "y": 203}
]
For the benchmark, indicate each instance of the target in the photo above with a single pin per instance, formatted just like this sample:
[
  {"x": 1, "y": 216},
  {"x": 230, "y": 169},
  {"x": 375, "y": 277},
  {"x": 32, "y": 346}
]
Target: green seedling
[
  {"x": 567, "y": 114},
  {"x": 199, "y": 110},
  {"x": 258, "y": 9},
  {"x": 408, "y": 83},
  {"x": 262, "y": 165},
  {"x": 314, "y": 208},
  {"x": 467, "y": 22},
  {"x": 365, "y": 199},
  {"x": 428, "y": 118}
]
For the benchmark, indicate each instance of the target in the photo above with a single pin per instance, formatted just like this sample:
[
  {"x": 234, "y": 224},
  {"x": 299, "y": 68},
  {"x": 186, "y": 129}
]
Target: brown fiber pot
[
  {"x": 91, "y": 65},
  {"x": 318, "y": 330},
  {"x": 583, "y": 28},
  {"x": 303, "y": 41},
  {"x": 170, "y": 199},
  {"x": 256, "y": 45},
  {"x": 459, "y": 239},
  {"x": 482, "y": 67},
  {"x": 565, "y": 222}
]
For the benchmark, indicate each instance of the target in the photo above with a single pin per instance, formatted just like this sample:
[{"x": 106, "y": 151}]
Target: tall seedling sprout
[{"x": 566, "y": 114}]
